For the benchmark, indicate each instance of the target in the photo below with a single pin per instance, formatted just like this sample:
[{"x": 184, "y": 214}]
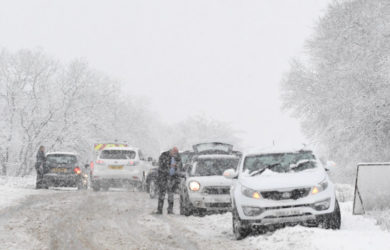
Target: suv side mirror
[
  {"x": 230, "y": 174},
  {"x": 330, "y": 165}
]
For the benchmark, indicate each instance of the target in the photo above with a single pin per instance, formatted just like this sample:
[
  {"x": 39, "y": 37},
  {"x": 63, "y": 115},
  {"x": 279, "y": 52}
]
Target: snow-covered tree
[
  {"x": 70, "y": 107},
  {"x": 341, "y": 90}
]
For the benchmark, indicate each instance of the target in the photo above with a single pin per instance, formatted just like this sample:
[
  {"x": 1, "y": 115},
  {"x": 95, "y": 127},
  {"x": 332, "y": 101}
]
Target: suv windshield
[
  {"x": 209, "y": 167},
  {"x": 61, "y": 159},
  {"x": 280, "y": 163},
  {"x": 117, "y": 154}
]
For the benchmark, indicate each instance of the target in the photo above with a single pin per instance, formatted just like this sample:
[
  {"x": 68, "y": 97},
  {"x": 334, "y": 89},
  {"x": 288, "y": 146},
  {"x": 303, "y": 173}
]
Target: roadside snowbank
[
  {"x": 14, "y": 189},
  {"x": 357, "y": 232}
]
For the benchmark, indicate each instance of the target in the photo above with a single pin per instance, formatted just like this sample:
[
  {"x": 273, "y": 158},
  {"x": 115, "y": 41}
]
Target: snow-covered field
[{"x": 68, "y": 219}]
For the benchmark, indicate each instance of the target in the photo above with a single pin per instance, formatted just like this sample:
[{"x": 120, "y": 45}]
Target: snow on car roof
[
  {"x": 121, "y": 148},
  {"x": 277, "y": 150},
  {"x": 61, "y": 153},
  {"x": 217, "y": 156}
]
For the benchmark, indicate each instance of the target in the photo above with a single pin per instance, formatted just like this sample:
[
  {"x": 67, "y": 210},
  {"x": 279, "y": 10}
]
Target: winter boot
[{"x": 160, "y": 206}]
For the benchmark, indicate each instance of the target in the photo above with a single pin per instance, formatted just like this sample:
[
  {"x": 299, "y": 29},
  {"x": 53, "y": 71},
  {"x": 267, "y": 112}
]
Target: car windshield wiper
[{"x": 258, "y": 172}]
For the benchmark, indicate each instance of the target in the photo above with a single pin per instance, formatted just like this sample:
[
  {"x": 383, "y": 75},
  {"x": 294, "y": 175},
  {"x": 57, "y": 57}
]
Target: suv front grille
[
  {"x": 294, "y": 194},
  {"x": 216, "y": 190}
]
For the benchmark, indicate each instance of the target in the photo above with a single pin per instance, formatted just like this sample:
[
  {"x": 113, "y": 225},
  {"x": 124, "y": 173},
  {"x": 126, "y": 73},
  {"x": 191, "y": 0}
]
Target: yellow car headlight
[
  {"x": 250, "y": 193},
  {"x": 320, "y": 187}
]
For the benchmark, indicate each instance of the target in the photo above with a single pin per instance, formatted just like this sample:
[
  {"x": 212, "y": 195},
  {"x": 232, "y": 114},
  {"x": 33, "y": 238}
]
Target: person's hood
[{"x": 270, "y": 180}]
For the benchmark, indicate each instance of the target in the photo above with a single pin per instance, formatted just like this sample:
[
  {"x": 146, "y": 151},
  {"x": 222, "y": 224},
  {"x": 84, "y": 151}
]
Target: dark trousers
[
  {"x": 39, "y": 182},
  {"x": 166, "y": 185}
]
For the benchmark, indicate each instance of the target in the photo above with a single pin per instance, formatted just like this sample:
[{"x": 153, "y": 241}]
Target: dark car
[{"x": 63, "y": 170}]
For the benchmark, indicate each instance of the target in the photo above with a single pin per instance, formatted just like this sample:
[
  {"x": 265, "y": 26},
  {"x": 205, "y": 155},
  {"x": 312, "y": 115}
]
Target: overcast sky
[{"x": 222, "y": 59}]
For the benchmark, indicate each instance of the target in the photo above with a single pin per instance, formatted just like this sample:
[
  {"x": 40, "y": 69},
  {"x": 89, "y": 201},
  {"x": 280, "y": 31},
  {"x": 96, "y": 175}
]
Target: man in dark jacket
[
  {"x": 40, "y": 166},
  {"x": 169, "y": 165}
]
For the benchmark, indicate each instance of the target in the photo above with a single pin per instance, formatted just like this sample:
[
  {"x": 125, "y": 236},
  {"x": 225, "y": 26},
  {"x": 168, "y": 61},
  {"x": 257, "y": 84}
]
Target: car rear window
[
  {"x": 62, "y": 158},
  {"x": 209, "y": 167},
  {"x": 117, "y": 154}
]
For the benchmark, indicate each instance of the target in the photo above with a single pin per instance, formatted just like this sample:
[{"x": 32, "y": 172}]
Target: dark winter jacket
[
  {"x": 41, "y": 159},
  {"x": 164, "y": 165}
]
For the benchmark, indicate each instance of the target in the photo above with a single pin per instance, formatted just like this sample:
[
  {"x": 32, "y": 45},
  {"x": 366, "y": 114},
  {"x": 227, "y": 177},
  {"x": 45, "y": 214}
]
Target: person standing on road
[
  {"x": 169, "y": 165},
  {"x": 40, "y": 166}
]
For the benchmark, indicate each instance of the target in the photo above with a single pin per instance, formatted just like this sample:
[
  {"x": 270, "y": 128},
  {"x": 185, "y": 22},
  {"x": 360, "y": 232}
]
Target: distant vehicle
[
  {"x": 63, "y": 170},
  {"x": 204, "y": 189},
  {"x": 119, "y": 167},
  {"x": 281, "y": 187}
]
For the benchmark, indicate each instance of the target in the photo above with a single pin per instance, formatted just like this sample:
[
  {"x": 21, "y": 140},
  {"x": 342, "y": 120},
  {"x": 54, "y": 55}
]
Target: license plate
[
  {"x": 116, "y": 167},
  {"x": 288, "y": 213},
  {"x": 59, "y": 170}
]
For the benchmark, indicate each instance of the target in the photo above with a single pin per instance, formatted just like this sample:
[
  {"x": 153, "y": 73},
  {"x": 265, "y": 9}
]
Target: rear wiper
[{"x": 258, "y": 172}]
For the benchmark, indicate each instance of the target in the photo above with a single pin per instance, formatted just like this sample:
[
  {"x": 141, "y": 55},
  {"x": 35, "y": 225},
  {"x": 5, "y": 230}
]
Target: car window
[
  {"x": 281, "y": 163},
  {"x": 117, "y": 154},
  {"x": 61, "y": 159},
  {"x": 186, "y": 157},
  {"x": 209, "y": 167}
]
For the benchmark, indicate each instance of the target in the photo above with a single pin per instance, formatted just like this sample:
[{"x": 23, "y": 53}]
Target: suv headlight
[
  {"x": 194, "y": 186},
  {"x": 320, "y": 187},
  {"x": 250, "y": 193}
]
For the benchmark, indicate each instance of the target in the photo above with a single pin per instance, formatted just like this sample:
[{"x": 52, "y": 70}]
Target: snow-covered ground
[
  {"x": 70, "y": 219},
  {"x": 15, "y": 189}
]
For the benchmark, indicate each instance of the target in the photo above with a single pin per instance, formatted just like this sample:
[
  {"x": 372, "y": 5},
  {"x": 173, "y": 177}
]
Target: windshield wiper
[
  {"x": 258, "y": 172},
  {"x": 299, "y": 164}
]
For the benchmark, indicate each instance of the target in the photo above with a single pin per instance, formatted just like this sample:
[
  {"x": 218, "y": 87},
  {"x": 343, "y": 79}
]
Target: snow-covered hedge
[{"x": 344, "y": 192}]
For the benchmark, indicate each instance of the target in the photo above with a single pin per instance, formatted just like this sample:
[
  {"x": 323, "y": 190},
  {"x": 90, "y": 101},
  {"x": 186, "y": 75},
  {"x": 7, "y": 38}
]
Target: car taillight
[
  {"x": 77, "y": 170},
  {"x": 132, "y": 163},
  {"x": 91, "y": 165},
  {"x": 99, "y": 162}
]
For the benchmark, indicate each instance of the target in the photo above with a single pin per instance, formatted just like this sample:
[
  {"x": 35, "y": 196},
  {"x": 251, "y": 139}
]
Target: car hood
[
  {"x": 270, "y": 180},
  {"x": 216, "y": 180}
]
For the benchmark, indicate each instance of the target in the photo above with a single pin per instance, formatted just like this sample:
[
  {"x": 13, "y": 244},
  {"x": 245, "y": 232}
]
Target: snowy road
[{"x": 67, "y": 219}]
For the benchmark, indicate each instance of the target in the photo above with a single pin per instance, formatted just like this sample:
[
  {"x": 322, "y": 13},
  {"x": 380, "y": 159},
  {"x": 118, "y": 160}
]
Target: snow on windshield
[{"x": 280, "y": 163}]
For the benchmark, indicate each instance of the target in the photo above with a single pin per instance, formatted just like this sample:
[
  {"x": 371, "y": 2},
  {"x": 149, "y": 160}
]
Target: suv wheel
[
  {"x": 95, "y": 186},
  {"x": 239, "y": 230},
  {"x": 152, "y": 189},
  {"x": 332, "y": 220},
  {"x": 185, "y": 207}
]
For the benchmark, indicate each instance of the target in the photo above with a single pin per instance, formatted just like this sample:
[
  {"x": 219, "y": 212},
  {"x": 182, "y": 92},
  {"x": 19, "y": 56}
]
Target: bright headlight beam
[{"x": 194, "y": 186}]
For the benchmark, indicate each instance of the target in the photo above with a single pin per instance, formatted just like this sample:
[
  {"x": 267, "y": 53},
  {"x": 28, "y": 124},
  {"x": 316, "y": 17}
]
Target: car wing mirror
[
  {"x": 330, "y": 165},
  {"x": 230, "y": 174}
]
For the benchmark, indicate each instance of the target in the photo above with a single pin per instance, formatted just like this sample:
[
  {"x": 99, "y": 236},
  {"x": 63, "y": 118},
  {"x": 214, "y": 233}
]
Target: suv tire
[
  {"x": 185, "y": 207},
  {"x": 239, "y": 230},
  {"x": 332, "y": 220}
]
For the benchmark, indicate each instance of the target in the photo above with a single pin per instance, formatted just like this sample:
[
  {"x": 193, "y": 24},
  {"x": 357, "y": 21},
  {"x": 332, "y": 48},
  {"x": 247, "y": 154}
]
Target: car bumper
[
  {"x": 210, "y": 202},
  {"x": 264, "y": 212},
  {"x": 115, "y": 182},
  {"x": 60, "y": 180}
]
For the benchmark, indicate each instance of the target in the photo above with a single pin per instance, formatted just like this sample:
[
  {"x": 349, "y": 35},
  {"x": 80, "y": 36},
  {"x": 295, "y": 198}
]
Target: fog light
[
  {"x": 321, "y": 205},
  {"x": 252, "y": 211}
]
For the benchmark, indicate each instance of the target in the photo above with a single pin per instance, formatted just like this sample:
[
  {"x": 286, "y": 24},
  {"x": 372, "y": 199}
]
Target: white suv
[
  {"x": 119, "y": 167},
  {"x": 278, "y": 188},
  {"x": 204, "y": 188}
]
